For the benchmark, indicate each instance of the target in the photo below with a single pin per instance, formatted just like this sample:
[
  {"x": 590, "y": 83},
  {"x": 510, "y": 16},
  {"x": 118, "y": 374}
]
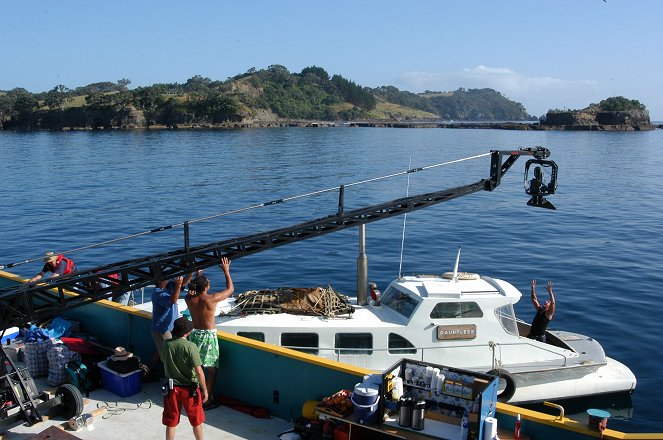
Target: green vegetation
[
  {"x": 619, "y": 103},
  {"x": 461, "y": 105},
  {"x": 614, "y": 104},
  {"x": 267, "y": 94}
]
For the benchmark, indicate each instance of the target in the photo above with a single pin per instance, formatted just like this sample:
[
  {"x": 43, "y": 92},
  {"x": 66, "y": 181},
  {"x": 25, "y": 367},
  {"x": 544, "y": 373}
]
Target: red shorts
[{"x": 181, "y": 397}]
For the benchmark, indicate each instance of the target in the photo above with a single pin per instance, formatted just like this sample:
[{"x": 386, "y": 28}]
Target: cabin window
[
  {"x": 399, "y": 302},
  {"x": 507, "y": 317},
  {"x": 256, "y": 336},
  {"x": 353, "y": 343},
  {"x": 400, "y": 345},
  {"x": 304, "y": 342},
  {"x": 452, "y": 310}
]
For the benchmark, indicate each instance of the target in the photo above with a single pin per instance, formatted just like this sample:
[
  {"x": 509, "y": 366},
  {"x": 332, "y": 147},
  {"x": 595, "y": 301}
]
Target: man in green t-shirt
[{"x": 181, "y": 361}]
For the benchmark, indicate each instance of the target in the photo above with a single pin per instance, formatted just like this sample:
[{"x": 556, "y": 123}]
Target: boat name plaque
[{"x": 467, "y": 331}]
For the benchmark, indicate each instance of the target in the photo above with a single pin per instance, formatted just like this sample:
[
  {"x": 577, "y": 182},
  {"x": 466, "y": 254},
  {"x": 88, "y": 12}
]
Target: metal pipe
[
  {"x": 186, "y": 237},
  {"x": 362, "y": 268},
  {"x": 559, "y": 407},
  {"x": 341, "y": 200}
]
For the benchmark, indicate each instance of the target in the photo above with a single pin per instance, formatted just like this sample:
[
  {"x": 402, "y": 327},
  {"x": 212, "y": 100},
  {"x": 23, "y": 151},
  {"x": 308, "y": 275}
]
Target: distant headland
[{"x": 275, "y": 97}]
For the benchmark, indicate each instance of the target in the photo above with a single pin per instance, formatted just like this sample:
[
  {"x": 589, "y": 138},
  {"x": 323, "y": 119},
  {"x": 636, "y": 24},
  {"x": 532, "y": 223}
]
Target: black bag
[
  {"x": 79, "y": 376},
  {"x": 126, "y": 366}
]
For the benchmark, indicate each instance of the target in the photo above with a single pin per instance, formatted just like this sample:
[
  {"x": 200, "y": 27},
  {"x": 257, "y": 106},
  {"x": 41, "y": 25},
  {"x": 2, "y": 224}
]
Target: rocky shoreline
[
  {"x": 379, "y": 124},
  {"x": 256, "y": 123},
  {"x": 510, "y": 126}
]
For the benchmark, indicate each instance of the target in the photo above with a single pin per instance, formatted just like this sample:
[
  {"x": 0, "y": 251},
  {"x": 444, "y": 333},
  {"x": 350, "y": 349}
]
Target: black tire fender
[
  {"x": 509, "y": 389},
  {"x": 72, "y": 400}
]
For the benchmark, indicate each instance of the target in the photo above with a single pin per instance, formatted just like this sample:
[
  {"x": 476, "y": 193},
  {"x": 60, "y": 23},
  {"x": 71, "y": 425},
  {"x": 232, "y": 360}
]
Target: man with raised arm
[
  {"x": 202, "y": 306},
  {"x": 544, "y": 313},
  {"x": 164, "y": 313}
]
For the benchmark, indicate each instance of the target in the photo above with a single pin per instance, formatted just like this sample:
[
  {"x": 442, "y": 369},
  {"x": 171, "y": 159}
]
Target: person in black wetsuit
[{"x": 544, "y": 313}]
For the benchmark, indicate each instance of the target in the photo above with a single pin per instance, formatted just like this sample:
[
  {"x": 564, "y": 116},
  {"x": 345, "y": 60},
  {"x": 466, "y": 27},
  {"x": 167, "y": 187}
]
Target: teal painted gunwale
[{"x": 250, "y": 371}]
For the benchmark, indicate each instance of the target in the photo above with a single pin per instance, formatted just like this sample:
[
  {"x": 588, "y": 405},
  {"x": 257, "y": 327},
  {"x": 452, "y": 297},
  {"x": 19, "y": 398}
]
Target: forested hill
[
  {"x": 461, "y": 105},
  {"x": 272, "y": 94}
]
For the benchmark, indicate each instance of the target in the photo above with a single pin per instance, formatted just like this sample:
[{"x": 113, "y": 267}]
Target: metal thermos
[
  {"x": 418, "y": 412},
  {"x": 405, "y": 412}
]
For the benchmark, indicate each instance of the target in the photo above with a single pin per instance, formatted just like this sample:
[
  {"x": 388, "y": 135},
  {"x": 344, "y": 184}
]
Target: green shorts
[{"x": 208, "y": 346}]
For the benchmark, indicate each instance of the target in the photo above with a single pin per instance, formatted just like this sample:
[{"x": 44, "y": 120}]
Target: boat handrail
[
  {"x": 559, "y": 407},
  {"x": 407, "y": 351},
  {"x": 493, "y": 283}
]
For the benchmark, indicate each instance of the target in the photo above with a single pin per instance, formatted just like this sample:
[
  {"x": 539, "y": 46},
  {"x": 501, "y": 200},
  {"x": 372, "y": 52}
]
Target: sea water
[{"x": 601, "y": 247}]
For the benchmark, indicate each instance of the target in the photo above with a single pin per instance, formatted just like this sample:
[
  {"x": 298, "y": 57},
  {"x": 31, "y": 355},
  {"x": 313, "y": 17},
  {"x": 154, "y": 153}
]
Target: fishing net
[{"x": 318, "y": 301}]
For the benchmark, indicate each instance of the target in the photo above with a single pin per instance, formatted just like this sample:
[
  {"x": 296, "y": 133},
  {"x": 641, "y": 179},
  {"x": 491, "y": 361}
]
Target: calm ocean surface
[{"x": 602, "y": 247}]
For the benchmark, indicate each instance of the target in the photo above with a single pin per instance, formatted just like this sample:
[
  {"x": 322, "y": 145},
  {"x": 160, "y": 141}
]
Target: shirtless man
[{"x": 202, "y": 306}]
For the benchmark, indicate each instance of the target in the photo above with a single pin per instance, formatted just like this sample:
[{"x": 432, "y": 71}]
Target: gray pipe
[{"x": 362, "y": 268}]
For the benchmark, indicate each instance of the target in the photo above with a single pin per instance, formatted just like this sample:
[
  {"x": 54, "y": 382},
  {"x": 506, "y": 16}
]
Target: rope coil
[{"x": 315, "y": 301}]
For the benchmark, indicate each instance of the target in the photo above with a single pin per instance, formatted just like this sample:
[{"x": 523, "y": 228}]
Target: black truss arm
[{"x": 35, "y": 303}]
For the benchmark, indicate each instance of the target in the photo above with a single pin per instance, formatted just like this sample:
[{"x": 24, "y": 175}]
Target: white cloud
[{"x": 537, "y": 93}]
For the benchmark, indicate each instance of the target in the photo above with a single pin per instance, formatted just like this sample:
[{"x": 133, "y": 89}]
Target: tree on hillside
[
  {"x": 25, "y": 103},
  {"x": 197, "y": 84},
  {"x": 353, "y": 93},
  {"x": 24, "y": 107},
  {"x": 57, "y": 97},
  {"x": 118, "y": 100},
  {"x": 219, "y": 107},
  {"x": 99, "y": 87},
  {"x": 123, "y": 84},
  {"x": 148, "y": 99},
  {"x": 6, "y": 108},
  {"x": 279, "y": 74},
  {"x": 314, "y": 75},
  {"x": 173, "y": 113}
]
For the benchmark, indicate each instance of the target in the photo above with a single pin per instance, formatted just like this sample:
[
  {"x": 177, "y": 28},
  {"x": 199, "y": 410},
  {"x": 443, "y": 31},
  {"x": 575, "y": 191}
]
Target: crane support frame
[{"x": 36, "y": 303}]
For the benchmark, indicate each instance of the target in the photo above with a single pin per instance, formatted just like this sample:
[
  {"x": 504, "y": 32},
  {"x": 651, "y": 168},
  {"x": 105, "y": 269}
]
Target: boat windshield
[
  {"x": 507, "y": 317},
  {"x": 399, "y": 301}
]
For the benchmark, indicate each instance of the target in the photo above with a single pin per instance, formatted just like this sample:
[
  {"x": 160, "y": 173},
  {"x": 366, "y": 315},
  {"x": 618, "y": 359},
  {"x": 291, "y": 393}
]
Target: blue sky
[{"x": 543, "y": 54}]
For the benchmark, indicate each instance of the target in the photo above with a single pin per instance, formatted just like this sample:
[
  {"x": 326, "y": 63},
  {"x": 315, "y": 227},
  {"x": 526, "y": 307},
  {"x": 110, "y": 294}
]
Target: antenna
[
  {"x": 455, "y": 277},
  {"x": 407, "y": 193}
]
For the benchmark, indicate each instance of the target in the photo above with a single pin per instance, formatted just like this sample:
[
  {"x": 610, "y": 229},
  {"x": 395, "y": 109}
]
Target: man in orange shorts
[{"x": 183, "y": 367}]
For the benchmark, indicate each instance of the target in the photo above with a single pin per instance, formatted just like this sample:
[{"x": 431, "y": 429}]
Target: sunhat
[
  {"x": 50, "y": 256},
  {"x": 121, "y": 354}
]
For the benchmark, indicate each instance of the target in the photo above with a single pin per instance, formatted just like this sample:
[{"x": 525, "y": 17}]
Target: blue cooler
[{"x": 365, "y": 399}]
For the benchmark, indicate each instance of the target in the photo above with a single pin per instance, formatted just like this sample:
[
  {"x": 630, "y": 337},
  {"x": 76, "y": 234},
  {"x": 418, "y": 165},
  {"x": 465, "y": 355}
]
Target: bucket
[
  {"x": 598, "y": 419},
  {"x": 365, "y": 394},
  {"x": 365, "y": 414}
]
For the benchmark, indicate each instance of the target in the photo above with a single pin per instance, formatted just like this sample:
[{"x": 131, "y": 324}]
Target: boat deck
[{"x": 139, "y": 417}]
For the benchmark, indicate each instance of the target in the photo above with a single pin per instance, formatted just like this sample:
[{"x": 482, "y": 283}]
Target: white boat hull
[{"x": 467, "y": 324}]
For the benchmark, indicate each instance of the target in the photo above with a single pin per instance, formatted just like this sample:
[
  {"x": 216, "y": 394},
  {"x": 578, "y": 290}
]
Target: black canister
[
  {"x": 418, "y": 413},
  {"x": 405, "y": 411}
]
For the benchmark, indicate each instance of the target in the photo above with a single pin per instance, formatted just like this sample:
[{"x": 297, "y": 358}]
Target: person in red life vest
[
  {"x": 544, "y": 313},
  {"x": 56, "y": 263}
]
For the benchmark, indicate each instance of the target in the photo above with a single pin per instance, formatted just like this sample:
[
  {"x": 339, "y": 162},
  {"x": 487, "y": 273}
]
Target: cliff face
[{"x": 594, "y": 119}]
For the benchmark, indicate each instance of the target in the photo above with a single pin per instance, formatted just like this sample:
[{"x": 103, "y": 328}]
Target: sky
[{"x": 563, "y": 54}]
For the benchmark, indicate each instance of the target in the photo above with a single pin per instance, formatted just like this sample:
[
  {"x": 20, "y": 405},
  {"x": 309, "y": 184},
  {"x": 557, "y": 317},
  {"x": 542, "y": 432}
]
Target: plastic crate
[
  {"x": 123, "y": 385},
  {"x": 9, "y": 335}
]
